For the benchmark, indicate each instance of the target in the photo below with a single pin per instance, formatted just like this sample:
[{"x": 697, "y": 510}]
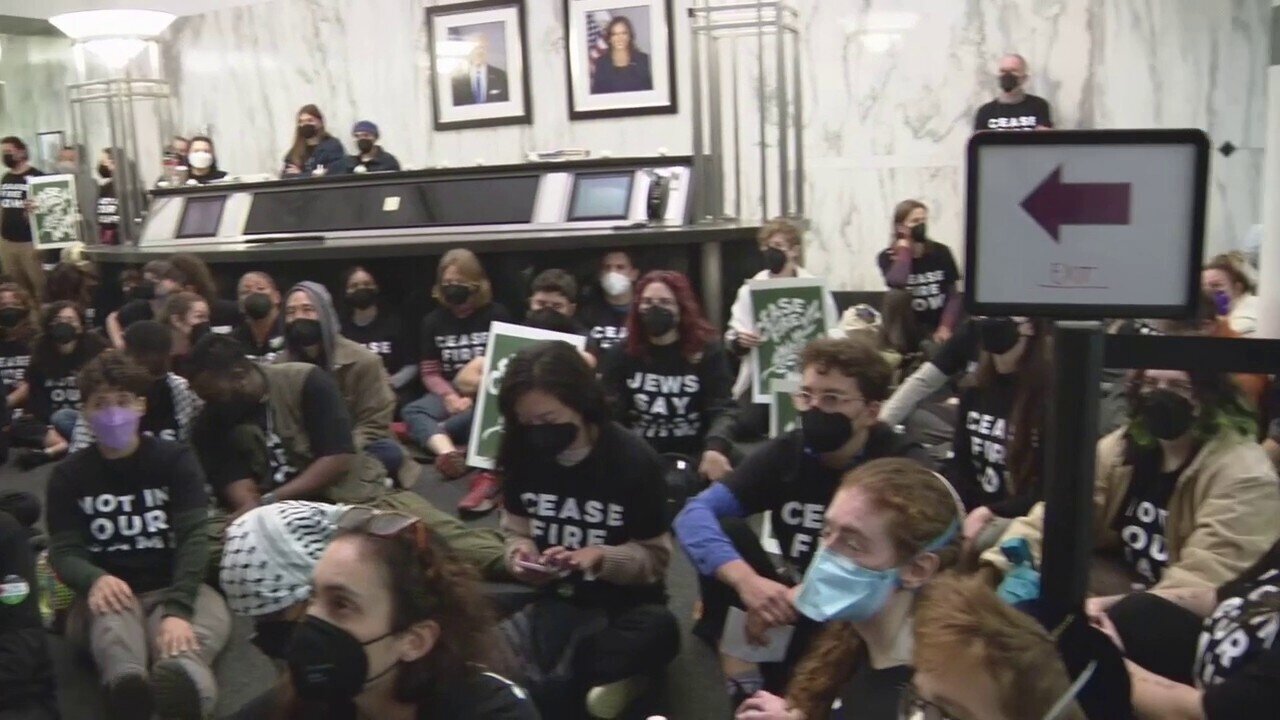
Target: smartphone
[{"x": 536, "y": 567}]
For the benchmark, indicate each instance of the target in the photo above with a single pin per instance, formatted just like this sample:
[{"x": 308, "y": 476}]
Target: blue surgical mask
[{"x": 837, "y": 588}]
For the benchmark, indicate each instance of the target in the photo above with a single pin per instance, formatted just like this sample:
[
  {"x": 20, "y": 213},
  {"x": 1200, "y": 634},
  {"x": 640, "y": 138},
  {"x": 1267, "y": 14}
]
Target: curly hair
[
  {"x": 855, "y": 358},
  {"x": 113, "y": 369},
  {"x": 694, "y": 330},
  {"x": 24, "y": 331},
  {"x": 919, "y": 507}
]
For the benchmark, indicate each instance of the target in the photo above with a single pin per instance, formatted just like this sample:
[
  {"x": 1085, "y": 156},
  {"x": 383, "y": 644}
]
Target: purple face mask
[{"x": 115, "y": 427}]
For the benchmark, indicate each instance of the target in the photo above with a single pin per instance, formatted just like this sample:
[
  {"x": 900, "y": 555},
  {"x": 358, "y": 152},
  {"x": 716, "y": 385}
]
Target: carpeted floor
[{"x": 690, "y": 690}]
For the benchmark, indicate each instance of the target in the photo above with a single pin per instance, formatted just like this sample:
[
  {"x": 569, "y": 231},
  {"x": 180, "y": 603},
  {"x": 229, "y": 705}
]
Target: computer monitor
[
  {"x": 600, "y": 196},
  {"x": 200, "y": 217}
]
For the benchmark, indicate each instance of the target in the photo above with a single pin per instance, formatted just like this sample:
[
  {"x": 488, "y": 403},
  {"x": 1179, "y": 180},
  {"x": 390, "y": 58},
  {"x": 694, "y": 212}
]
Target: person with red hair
[{"x": 670, "y": 381}]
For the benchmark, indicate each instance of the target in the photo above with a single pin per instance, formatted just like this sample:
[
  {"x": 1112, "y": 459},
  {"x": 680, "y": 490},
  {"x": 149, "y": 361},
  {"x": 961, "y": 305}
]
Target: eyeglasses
[
  {"x": 1182, "y": 387},
  {"x": 827, "y": 402},
  {"x": 914, "y": 707},
  {"x": 383, "y": 523}
]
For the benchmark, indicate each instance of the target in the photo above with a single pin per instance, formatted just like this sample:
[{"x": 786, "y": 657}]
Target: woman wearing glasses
[
  {"x": 670, "y": 381},
  {"x": 372, "y": 615},
  {"x": 793, "y": 478},
  {"x": 891, "y": 528}
]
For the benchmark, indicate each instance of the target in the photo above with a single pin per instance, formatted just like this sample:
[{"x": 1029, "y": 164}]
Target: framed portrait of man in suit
[
  {"x": 479, "y": 64},
  {"x": 621, "y": 58}
]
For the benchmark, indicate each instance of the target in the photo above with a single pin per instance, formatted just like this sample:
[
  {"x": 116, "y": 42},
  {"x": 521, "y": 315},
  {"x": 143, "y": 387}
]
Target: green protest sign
[
  {"x": 55, "y": 217},
  {"x": 783, "y": 417},
  {"x": 788, "y": 313},
  {"x": 505, "y": 340}
]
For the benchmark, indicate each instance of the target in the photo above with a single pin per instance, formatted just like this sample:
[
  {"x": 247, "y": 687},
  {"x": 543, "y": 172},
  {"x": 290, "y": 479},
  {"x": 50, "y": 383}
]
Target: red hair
[{"x": 693, "y": 327}]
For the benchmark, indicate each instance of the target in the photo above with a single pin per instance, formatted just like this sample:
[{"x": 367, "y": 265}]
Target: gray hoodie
[{"x": 329, "y": 325}]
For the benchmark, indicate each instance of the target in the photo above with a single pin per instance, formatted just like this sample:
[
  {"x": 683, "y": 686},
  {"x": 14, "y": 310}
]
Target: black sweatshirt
[
  {"x": 26, "y": 673},
  {"x": 983, "y": 438},
  {"x": 678, "y": 406},
  {"x": 140, "y": 518},
  {"x": 1238, "y": 659}
]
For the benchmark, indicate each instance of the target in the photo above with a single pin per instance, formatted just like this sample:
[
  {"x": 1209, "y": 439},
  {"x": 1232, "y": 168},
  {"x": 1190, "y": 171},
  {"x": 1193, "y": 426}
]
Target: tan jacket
[
  {"x": 1223, "y": 515},
  {"x": 365, "y": 389}
]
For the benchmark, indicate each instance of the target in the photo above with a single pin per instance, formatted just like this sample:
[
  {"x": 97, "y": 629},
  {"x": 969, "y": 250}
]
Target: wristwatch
[{"x": 268, "y": 498}]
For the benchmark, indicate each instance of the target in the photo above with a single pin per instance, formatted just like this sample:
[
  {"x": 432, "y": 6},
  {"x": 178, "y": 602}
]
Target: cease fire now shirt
[
  {"x": 1027, "y": 114},
  {"x": 979, "y": 469},
  {"x": 14, "y": 223},
  {"x": 455, "y": 341},
  {"x": 606, "y": 324},
  {"x": 383, "y": 337},
  {"x": 15, "y": 358},
  {"x": 932, "y": 280}
]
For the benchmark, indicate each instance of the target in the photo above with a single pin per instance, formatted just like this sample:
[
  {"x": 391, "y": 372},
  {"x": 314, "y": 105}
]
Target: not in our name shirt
[
  {"x": 616, "y": 495},
  {"x": 794, "y": 487},
  {"x": 455, "y": 341},
  {"x": 1142, "y": 517},
  {"x": 932, "y": 279},
  {"x": 1238, "y": 642},
  {"x": 122, "y": 508},
  {"x": 14, "y": 223},
  {"x": 1027, "y": 114}
]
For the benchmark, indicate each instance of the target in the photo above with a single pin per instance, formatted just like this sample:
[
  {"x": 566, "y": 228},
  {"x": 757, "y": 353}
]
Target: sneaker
[
  {"x": 483, "y": 495},
  {"x": 607, "y": 702},
  {"x": 452, "y": 465},
  {"x": 129, "y": 698},
  {"x": 176, "y": 695}
]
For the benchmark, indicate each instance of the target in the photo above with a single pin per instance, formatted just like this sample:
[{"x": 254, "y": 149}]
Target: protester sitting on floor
[
  {"x": 371, "y": 614},
  {"x": 793, "y": 478},
  {"x": 1201, "y": 652},
  {"x": 451, "y": 335},
  {"x": 260, "y": 331},
  {"x": 923, "y": 302},
  {"x": 127, "y": 526},
  {"x": 1183, "y": 492},
  {"x": 27, "y": 684},
  {"x": 147, "y": 298},
  {"x": 977, "y": 657},
  {"x": 585, "y": 518},
  {"x": 891, "y": 528},
  {"x": 61, "y": 350},
  {"x": 187, "y": 316},
  {"x": 669, "y": 382},
  {"x": 367, "y": 320},
  {"x": 18, "y": 323},
  {"x": 312, "y": 335},
  {"x": 281, "y": 432}
]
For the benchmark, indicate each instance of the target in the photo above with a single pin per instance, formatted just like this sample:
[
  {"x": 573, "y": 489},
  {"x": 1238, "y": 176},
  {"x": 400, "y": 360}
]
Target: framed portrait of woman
[
  {"x": 479, "y": 64},
  {"x": 621, "y": 58}
]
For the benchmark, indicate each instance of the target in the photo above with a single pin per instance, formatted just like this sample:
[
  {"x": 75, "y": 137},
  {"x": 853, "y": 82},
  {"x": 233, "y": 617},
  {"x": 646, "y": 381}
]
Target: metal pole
[
  {"x": 783, "y": 111},
  {"x": 799, "y": 125},
  {"x": 1269, "y": 252},
  {"x": 760, "y": 93},
  {"x": 1071, "y": 435},
  {"x": 737, "y": 133},
  {"x": 716, "y": 120},
  {"x": 699, "y": 159}
]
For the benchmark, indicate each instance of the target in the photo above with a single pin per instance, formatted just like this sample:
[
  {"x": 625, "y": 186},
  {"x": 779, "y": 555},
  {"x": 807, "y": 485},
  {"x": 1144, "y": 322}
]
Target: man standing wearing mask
[
  {"x": 370, "y": 157},
  {"x": 793, "y": 478},
  {"x": 1014, "y": 108},
  {"x": 17, "y": 254},
  {"x": 312, "y": 334}
]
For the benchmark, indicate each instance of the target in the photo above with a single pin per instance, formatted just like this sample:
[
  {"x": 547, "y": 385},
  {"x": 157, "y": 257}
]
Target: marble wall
[
  {"x": 889, "y": 90},
  {"x": 34, "y": 71}
]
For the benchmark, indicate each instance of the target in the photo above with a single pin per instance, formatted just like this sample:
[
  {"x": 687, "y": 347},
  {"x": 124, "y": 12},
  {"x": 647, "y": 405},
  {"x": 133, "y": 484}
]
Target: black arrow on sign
[{"x": 1054, "y": 203}]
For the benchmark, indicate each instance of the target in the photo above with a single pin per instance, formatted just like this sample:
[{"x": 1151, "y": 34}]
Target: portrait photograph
[
  {"x": 620, "y": 59},
  {"x": 479, "y": 68}
]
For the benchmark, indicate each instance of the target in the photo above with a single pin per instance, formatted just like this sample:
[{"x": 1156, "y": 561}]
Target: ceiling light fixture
[{"x": 114, "y": 36}]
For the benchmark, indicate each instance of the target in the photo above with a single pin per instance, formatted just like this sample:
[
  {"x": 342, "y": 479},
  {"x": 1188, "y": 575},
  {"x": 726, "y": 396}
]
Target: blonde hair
[
  {"x": 961, "y": 623},
  {"x": 779, "y": 226},
  {"x": 472, "y": 271}
]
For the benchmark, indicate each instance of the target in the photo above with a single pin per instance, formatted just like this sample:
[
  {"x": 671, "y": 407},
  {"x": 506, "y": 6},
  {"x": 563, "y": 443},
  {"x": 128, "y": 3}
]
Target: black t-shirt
[
  {"x": 224, "y": 316},
  {"x": 615, "y": 495},
  {"x": 161, "y": 419},
  {"x": 108, "y": 212},
  {"x": 134, "y": 311},
  {"x": 960, "y": 352},
  {"x": 122, "y": 508},
  {"x": 783, "y": 479},
  {"x": 666, "y": 399},
  {"x": 1238, "y": 653},
  {"x": 1026, "y": 114},
  {"x": 931, "y": 281},
  {"x": 14, "y": 224},
  {"x": 383, "y": 337},
  {"x": 480, "y": 696},
  {"x": 979, "y": 469},
  {"x": 15, "y": 358},
  {"x": 606, "y": 324},
  {"x": 455, "y": 341},
  {"x": 228, "y": 456},
  {"x": 1141, "y": 520},
  {"x": 51, "y": 393},
  {"x": 265, "y": 352},
  {"x": 873, "y": 694}
]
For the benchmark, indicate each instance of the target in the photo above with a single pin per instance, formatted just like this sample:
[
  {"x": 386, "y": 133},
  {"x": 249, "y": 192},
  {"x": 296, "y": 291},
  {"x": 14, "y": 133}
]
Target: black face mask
[
  {"x": 63, "y": 332},
  {"x": 824, "y": 432},
  {"x": 258, "y": 305},
  {"x": 548, "y": 319},
  {"x": 198, "y": 331},
  {"x": 1008, "y": 81},
  {"x": 327, "y": 662},
  {"x": 303, "y": 332},
  {"x": 362, "y": 298},
  {"x": 920, "y": 233},
  {"x": 456, "y": 295},
  {"x": 10, "y": 160},
  {"x": 272, "y": 637},
  {"x": 308, "y": 131},
  {"x": 1166, "y": 414},
  {"x": 104, "y": 172},
  {"x": 549, "y": 440},
  {"x": 999, "y": 334},
  {"x": 657, "y": 321},
  {"x": 365, "y": 145},
  {"x": 145, "y": 290},
  {"x": 774, "y": 259},
  {"x": 11, "y": 316}
]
